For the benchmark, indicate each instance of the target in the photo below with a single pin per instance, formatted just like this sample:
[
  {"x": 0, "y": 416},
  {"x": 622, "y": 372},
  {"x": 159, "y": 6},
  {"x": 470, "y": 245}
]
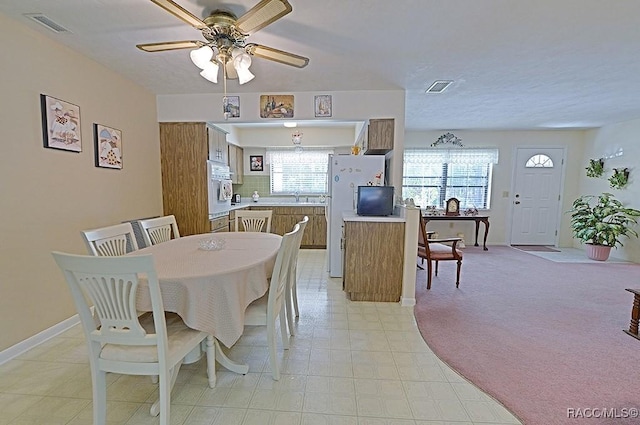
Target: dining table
[{"x": 210, "y": 279}]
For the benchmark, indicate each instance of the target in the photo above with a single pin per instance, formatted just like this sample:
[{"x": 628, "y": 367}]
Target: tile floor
[{"x": 351, "y": 363}]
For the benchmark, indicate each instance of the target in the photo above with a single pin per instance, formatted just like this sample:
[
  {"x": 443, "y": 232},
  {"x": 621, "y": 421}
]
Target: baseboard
[
  {"x": 407, "y": 302},
  {"x": 29, "y": 343}
]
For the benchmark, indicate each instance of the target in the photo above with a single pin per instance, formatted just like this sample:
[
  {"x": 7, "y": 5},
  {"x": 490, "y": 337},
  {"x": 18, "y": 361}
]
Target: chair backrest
[
  {"x": 303, "y": 224},
  {"x": 110, "y": 241},
  {"x": 253, "y": 221},
  {"x": 281, "y": 272},
  {"x": 159, "y": 229},
  {"x": 110, "y": 284}
]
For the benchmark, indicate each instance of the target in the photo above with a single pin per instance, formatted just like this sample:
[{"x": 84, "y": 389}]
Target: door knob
[{"x": 516, "y": 202}]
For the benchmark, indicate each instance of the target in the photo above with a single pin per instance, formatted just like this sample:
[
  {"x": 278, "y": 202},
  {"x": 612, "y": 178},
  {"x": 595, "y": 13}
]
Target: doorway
[{"x": 535, "y": 206}]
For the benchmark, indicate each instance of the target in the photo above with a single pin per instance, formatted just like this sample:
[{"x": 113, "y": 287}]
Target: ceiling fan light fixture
[
  {"x": 210, "y": 72},
  {"x": 201, "y": 57},
  {"x": 241, "y": 63}
]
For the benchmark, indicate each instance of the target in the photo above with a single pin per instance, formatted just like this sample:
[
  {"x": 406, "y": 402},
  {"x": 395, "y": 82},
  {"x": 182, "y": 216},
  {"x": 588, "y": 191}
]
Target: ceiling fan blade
[
  {"x": 170, "y": 45},
  {"x": 181, "y": 13},
  {"x": 277, "y": 55},
  {"x": 262, "y": 14}
]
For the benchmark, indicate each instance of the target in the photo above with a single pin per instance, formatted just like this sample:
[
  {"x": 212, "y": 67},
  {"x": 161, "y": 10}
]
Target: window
[
  {"x": 539, "y": 161},
  {"x": 431, "y": 176},
  {"x": 303, "y": 172}
]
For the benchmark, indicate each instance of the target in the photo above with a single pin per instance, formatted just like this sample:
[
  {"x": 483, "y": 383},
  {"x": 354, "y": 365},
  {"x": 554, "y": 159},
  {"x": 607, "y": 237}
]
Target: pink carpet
[{"x": 541, "y": 337}]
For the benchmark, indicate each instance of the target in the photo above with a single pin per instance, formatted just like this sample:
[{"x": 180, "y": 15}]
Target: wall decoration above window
[
  {"x": 60, "y": 124},
  {"x": 108, "y": 146},
  {"x": 322, "y": 105},
  {"x": 276, "y": 106},
  {"x": 619, "y": 178},
  {"x": 447, "y": 138},
  {"x": 595, "y": 168}
]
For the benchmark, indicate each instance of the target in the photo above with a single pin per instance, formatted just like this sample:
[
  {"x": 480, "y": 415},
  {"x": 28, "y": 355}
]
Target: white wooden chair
[
  {"x": 267, "y": 309},
  {"x": 253, "y": 221},
  {"x": 159, "y": 229},
  {"x": 292, "y": 292},
  {"x": 110, "y": 241},
  {"x": 121, "y": 342}
]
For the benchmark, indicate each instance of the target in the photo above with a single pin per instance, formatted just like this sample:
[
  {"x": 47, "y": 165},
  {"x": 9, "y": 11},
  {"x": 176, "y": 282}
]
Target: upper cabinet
[
  {"x": 236, "y": 163},
  {"x": 379, "y": 138},
  {"x": 218, "y": 150}
]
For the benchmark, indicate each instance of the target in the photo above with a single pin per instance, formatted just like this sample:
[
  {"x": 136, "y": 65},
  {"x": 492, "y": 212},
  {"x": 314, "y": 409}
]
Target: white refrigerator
[{"x": 346, "y": 173}]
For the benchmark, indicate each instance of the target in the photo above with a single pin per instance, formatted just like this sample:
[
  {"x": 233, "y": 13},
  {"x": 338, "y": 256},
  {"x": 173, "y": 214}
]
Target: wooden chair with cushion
[
  {"x": 110, "y": 241},
  {"x": 266, "y": 310},
  {"x": 435, "y": 250},
  {"x": 119, "y": 341},
  {"x": 158, "y": 230},
  {"x": 253, "y": 221}
]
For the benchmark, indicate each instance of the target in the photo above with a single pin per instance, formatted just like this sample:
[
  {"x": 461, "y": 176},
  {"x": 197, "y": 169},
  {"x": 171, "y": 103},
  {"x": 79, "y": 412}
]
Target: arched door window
[{"x": 539, "y": 161}]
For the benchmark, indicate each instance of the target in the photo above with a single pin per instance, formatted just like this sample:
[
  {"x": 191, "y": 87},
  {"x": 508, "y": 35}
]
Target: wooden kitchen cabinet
[
  {"x": 373, "y": 260},
  {"x": 218, "y": 146},
  {"x": 284, "y": 218},
  {"x": 379, "y": 138},
  {"x": 319, "y": 226},
  {"x": 220, "y": 224},
  {"x": 184, "y": 151},
  {"x": 236, "y": 163}
]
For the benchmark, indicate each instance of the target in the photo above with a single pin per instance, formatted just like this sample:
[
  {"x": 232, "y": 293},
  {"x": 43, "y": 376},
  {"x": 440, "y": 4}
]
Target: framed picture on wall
[
  {"x": 231, "y": 106},
  {"x": 276, "y": 106},
  {"x": 108, "y": 143},
  {"x": 256, "y": 163},
  {"x": 322, "y": 105},
  {"x": 60, "y": 124}
]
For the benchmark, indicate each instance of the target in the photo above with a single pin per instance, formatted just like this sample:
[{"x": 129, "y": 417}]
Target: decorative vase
[
  {"x": 255, "y": 196},
  {"x": 598, "y": 252}
]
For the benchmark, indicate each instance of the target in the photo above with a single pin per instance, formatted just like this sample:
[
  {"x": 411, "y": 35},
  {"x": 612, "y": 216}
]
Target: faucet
[{"x": 297, "y": 195}]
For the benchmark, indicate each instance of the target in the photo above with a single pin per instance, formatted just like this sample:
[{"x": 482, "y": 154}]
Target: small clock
[{"x": 453, "y": 207}]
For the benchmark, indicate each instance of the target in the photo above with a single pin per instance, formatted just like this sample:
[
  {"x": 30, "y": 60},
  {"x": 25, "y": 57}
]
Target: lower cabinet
[
  {"x": 284, "y": 218},
  {"x": 220, "y": 224},
  {"x": 373, "y": 260}
]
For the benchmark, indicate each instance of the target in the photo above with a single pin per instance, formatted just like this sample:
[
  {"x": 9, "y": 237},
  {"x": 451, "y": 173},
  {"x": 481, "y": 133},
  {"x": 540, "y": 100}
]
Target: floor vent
[{"x": 47, "y": 22}]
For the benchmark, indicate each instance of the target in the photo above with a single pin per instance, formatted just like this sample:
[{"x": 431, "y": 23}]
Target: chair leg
[
  {"x": 458, "y": 273},
  {"x": 436, "y": 268},
  {"x": 289, "y": 307},
  {"x": 283, "y": 329},
  {"x": 273, "y": 352},
  {"x": 429, "y": 274},
  {"x": 294, "y": 291},
  {"x": 100, "y": 397},
  {"x": 165, "y": 397}
]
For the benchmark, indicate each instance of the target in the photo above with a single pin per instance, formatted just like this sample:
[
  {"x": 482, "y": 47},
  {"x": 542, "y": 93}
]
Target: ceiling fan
[{"x": 226, "y": 36}]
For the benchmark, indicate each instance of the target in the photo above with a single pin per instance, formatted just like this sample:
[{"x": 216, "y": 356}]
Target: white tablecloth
[{"x": 210, "y": 290}]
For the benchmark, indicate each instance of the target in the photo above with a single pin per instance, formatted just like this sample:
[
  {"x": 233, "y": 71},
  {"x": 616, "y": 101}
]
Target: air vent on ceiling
[
  {"x": 47, "y": 22},
  {"x": 439, "y": 86}
]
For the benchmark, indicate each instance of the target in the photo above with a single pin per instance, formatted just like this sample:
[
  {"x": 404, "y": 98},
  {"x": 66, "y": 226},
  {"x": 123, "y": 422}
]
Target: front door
[{"x": 536, "y": 197}]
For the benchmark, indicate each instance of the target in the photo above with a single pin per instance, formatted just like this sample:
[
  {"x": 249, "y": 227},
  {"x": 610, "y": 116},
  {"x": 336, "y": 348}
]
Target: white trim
[
  {"x": 31, "y": 342},
  {"x": 407, "y": 302}
]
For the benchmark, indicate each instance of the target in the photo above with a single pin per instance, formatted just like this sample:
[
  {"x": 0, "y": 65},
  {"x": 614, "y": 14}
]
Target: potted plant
[
  {"x": 595, "y": 168},
  {"x": 619, "y": 178},
  {"x": 601, "y": 222}
]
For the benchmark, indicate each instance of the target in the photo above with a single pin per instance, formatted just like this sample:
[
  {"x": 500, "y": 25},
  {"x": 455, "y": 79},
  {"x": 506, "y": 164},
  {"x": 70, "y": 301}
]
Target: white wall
[
  {"x": 604, "y": 143},
  {"x": 49, "y": 195},
  {"x": 506, "y": 142}
]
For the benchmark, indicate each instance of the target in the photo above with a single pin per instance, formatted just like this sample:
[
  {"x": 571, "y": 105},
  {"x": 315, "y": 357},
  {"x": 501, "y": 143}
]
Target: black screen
[{"x": 375, "y": 200}]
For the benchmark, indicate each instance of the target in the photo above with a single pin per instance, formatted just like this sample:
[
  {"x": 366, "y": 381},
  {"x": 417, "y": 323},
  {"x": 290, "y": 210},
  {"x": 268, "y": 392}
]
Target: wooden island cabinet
[{"x": 373, "y": 258}]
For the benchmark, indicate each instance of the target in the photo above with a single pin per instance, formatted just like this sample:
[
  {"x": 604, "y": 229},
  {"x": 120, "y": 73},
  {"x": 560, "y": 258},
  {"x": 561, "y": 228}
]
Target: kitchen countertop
[
  {"x": 351, "y": 216},
  {"x": 265, "y": 202}
]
